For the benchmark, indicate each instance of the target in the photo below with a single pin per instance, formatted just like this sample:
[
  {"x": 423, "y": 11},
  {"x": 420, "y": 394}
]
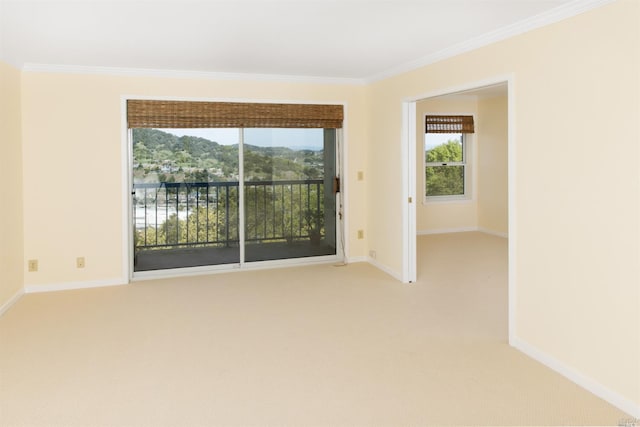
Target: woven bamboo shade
[
  {"x": 188, "y": 114},
  {"x": 449, "y": 124}
]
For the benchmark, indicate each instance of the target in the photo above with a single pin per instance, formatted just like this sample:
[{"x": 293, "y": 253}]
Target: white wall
[
  {"x": 576, "y": 245},
  {"x": 11, "y": 236},
  {"x": 74, "y": 174},
  {"x": 492, "y": 130}
]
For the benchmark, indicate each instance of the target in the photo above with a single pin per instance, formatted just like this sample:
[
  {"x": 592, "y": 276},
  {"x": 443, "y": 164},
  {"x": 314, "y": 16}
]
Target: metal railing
[{"x": 193, "y": 214}]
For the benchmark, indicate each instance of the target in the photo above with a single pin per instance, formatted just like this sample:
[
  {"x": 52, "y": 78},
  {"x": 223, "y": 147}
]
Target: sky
[
  {"x": 289, "y": 137},
  {"x": 432, "y": 140},
  {"x": 293, "y": 138}
]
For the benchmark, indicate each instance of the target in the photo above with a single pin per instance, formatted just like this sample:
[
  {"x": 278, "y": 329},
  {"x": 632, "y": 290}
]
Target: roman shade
[
  {"x": 449, "y": 124},
  {"x": 192, "y": 114}
]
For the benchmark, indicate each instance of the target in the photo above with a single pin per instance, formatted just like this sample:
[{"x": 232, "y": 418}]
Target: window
[
  {"x": 446, "y": 157},
  {"x": 221, "y": 183}
]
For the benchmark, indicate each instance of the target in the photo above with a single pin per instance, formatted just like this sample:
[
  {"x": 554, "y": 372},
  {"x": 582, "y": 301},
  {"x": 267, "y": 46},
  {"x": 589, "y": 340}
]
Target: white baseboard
[
  {"x": 14, "y": 299},
  {"x": 52, "y": 287},
  {"x": 374, "y": 262},
  {"x": 384, "y": 268},
  {"x": 493, "y": 232},
  {"x": 582, "y": 380},
  {"x": 354, "y": 259},
  {"x": 447, "y": 230},
  {"x": 463, "y": 230}
]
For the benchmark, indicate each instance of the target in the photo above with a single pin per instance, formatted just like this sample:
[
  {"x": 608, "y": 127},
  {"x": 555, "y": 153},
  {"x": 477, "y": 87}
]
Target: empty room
[{"x": 319, "y": 212}]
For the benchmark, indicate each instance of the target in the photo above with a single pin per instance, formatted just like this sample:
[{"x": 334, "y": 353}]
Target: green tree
[
  {"x": 445, "y": 180},
  {"x": 273, "y": 213}
]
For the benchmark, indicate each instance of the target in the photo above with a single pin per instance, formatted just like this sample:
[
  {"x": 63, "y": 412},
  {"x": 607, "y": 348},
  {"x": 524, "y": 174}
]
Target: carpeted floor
[{"x": 318, "y": 345}]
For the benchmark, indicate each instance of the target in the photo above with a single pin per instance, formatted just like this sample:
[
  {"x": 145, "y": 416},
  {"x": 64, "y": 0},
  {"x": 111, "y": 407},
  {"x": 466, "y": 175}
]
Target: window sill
[{"x": 447, "y": 200}]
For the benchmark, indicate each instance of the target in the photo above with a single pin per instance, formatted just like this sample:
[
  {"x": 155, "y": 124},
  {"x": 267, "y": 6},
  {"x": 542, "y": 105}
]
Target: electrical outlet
[
  {"x": 372, "y": 254},
  {"x": 360, "y": 234},
  {"x": 80, "y": 262},
  {"x": 33, "y": 265}
]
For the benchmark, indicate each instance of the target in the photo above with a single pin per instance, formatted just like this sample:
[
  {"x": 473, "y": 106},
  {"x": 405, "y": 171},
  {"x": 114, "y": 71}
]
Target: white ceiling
[{"x": 341, "y": 39}]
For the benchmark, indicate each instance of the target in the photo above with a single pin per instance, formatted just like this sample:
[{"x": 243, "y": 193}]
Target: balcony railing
[{"x": 198, "y": 214}]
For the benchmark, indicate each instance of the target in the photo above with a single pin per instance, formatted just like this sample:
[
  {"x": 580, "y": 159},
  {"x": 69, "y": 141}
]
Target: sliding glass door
[
  {"x": 185, "y": 198},
  {"x": 204, "y": 197},
  {"x": 289, "y": 199}
]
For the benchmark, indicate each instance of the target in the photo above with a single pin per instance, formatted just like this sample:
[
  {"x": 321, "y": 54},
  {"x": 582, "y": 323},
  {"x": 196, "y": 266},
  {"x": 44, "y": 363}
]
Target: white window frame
[
  {"x": 342, "y": 217},
  {"x": 468, "y": 156}
]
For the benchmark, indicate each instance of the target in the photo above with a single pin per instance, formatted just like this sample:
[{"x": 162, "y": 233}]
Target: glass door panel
[
  {"x": 185, "y": 198},
  {"x": 289, "y": 199}
]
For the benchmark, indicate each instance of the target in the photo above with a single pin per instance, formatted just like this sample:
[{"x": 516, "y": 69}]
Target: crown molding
[
  {"x": 10, "y": 62},
  {"x": 185, "y": 74},
  {"x": 552, "y": 16},
  {"x": 549, "y": 17}
]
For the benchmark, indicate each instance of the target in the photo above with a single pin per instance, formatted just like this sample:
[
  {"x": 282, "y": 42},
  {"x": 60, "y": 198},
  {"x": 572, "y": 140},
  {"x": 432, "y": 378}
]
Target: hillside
[{"x": 163, "y": 157}]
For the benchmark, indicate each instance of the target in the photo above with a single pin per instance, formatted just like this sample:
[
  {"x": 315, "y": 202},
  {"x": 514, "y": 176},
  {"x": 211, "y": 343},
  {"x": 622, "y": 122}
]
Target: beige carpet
[{"x": 319, "y": 345}]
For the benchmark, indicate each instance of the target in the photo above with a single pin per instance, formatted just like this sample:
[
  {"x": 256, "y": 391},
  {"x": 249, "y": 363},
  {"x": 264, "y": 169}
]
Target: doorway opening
[{"x": 416, "y": 218}]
